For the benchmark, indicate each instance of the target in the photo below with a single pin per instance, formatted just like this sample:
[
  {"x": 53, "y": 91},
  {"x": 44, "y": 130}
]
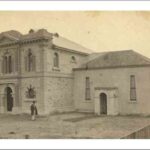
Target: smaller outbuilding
[{"x": 113, "y": 83}]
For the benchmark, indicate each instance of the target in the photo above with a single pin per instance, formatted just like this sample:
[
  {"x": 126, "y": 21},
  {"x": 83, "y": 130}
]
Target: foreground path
[{"x": 70, "y": 125}]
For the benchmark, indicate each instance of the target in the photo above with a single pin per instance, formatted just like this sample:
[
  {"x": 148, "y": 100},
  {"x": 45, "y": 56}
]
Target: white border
[
  {"x": 74, "y": 144},
  {"x": 74, "y": 5}
]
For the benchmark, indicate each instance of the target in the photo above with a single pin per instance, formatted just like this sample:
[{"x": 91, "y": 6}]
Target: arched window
[
  {"x": 30, "y": 61},
  {"x": 56, "y": 60},
  {"x": 73, "y": 59},
  {"x": 7, "y": 65}
]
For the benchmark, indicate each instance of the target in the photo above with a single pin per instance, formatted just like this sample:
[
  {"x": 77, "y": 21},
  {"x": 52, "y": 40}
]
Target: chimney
[
  {"x": 56, "y": 34},
  {"x": 31, "y": 31}
]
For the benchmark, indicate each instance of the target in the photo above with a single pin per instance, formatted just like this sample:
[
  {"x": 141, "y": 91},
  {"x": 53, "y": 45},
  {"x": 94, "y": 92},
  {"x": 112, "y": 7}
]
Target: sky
[{"x": 97, "y": 30}]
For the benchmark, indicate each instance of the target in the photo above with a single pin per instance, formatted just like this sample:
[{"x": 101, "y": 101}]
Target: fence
[{"x": 143, "y": 133}]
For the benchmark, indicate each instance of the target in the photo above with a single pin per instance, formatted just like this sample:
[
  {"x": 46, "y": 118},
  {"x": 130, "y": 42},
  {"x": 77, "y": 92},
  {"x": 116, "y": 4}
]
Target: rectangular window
[
  {"x": 26, "y": 63},
  {"x": 5, "y": 62},
  {"x": 132, "y": 88},
  {"x": 9, "y": 64},
  {"x": 87, "y": 89}
]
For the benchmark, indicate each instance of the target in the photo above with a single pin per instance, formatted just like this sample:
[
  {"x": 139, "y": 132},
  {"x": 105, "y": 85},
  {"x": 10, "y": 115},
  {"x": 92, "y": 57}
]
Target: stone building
[
  {"x": 63, "y": 76},
  {"x": 113, "y": 83},
  {"x": 37, "y": 66}
]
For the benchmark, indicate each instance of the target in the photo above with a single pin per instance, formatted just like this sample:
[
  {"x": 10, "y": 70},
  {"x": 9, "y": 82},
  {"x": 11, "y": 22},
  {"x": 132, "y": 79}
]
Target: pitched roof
[
  {"x": 65, "y": 43},
  {"x": 57, "y": 40},
  {"x": 12, "y": 34},
  {"x": 126, "y": 58}
]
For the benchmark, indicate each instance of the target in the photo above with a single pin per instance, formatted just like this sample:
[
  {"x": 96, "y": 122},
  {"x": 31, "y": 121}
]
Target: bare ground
[{"x": 69, "y": 125}]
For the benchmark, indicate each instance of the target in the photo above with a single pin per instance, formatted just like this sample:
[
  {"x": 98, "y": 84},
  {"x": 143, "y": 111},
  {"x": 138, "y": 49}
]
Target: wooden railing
[{"x": 143, "y": 133}]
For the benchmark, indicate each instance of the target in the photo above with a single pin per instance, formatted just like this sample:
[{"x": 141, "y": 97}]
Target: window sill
[
  {"x": 11, "y": 73},
  {"x": 30, "y": 71},
  {"x": 73, "y": 62},
  {"x": 87, "y": 100},
  {"x": 56, "y": 69},
  {"x": 30, "y": 100},
  {"x": 132, "y": 102}
]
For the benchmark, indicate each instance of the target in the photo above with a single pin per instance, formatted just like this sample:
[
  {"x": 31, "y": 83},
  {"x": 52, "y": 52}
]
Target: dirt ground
[{"x": 69, "y": 125}]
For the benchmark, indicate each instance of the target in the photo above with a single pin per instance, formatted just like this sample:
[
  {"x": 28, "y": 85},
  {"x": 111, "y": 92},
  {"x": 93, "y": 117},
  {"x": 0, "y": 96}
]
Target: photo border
[{"x": 77, "y": 6}]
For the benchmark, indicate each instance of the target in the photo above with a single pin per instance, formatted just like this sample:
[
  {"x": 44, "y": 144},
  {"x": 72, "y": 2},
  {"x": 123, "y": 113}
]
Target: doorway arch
[
  {"x": 103, "y": 103},
  {"x": 9, "y": 99}
]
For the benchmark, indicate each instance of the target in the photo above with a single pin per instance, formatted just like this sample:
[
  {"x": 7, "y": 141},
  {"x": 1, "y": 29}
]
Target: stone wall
[
  {"x": 58, "y": 94},
  {"x": 26, "y": 102},
  {"x": 54, "y": 87},
  {"x": 65, "y": 62},
  {"x": 119, "y": 78},
  {"x": 58, "y": 82}
]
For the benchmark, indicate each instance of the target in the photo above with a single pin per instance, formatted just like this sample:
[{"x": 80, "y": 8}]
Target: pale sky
[{"x": 97, "y": 30}]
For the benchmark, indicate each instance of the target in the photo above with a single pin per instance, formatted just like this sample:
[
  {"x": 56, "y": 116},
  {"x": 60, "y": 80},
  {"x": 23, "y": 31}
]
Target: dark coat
[
  {"x": 10, "y": 104},
  {"x": 33, "y": 110}
]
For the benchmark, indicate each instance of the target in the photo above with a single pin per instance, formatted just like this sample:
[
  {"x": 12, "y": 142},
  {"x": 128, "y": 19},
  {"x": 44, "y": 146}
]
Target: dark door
[
  {"x": 103, "y": 103},
  {"x": 9, "y": 99}
]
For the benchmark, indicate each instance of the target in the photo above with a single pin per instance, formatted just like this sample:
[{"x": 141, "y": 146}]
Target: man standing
[
  {"x": 34, "y": 111},
  {"x": 10, "y": 102}
]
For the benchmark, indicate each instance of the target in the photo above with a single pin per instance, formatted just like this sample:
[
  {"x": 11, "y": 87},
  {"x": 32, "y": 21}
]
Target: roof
[
  {"x": 41, "y": 33},
  {"x": 12, "y": 34},
  {"x": 65, "y": 43},
  {"x": 57, "y": 40},
  {"x": 114, "y": 59}
]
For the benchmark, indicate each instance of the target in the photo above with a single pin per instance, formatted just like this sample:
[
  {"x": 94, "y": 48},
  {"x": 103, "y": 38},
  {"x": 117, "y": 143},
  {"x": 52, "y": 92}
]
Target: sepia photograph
[{"x": 75, "y": 74}]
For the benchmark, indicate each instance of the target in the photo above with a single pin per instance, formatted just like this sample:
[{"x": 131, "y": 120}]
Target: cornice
[
  {"x": 113, "y": 67},
  {"x": 55, "y": 47},
  {"x": 24, "y": 41}
]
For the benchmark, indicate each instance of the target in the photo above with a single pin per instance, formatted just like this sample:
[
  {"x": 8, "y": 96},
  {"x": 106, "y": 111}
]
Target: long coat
[
  {"x": 10, "y": 103},
  {"x": 33, "y": 110}
]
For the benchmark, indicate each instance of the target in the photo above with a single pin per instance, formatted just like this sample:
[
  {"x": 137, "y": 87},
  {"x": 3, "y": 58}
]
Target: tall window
[
  {"x": 132, "y": 88},
  {"x": 7, "y": 66},
  {"x": 87, "y": 89},
  {"x": 56, "y": 60},
  {"x": 4, "y": 64},
  {"x": 30, "y": 61}
]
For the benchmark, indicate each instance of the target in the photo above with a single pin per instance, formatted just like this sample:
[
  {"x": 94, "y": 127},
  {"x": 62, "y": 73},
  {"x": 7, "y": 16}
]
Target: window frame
[
  {"x": 73, "y": 59},
  {"x": 30, "y": 61},
  {"x": 7, "y": 64},
  {"x": 133, "y": 94},
  {"x": 56, "y": 60},
  {"x": 87, "y": 89}
]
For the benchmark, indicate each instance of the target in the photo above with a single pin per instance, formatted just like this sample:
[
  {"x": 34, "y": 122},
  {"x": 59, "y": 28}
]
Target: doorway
[
  {"x": 103, "y": 103},
  {"x": 9, "y": 99}
]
